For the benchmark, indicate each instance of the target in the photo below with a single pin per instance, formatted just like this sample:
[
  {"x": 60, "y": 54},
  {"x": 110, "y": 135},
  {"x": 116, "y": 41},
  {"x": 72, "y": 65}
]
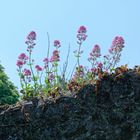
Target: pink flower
[
  {"x": 81, "y": 66},
  {"x": 117, "y": 45},
  {"x": 111, "y": 50},
  {"x": 118, "y": 41},
  {"x": 19, "y": 63},
  {"x": 96, "y": 49},
  {"x": 51, "y": 77},
  {"x": 81, "y": 36},
  {"x": 31, "y": 36},
  {"x": 95, "y": 52},
  {"x": 55, "y": 56},
  {"x": 38, "y": 68},
  {"x": 100, "y": 65},
  {"x": 46, "y": 62},
  {"x": 23, "y": 56},
  {"x": 26, "y": 72},
  {"x": 93, "y": 70},
  {"x": 55, "y": 52},
  {"x": 82, "y": 29},
  {"x": 30, "y": 41},
  {"x": 22, "y": 59},
  {"x": 79, "y": 72},
  {"x": 57, "y": 43}
]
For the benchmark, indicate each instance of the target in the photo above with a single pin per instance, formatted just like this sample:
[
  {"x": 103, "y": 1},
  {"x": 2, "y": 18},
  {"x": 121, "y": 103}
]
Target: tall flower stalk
[
  {"x": 81, "y": 36},
  {"x": 115, "y": 53},
  {"x": 30, "y": 42},
  {"x": 46, "y": 60},
  {"x": 22, "y": 60},
  {"x": 55, "y": 58},
  {"x": 94, "y": 55}
]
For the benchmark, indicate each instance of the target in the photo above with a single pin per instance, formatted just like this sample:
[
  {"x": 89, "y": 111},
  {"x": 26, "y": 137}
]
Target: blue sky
[{"x": 104, "y": 20}]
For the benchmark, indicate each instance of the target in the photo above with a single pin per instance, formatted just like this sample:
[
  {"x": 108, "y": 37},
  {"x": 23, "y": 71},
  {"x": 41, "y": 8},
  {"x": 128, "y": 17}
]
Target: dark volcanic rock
[{"x": 111, "y": 113}]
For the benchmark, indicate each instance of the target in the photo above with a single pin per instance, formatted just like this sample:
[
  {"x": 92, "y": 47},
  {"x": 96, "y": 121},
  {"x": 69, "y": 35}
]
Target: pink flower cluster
[
  {"x": 46, "y": 62},
  {"x": 30, "y": 41},
  {"x": 26, "y": 72},
  {"x": 82, "y": 29},
  {"x": 96, "y": 68},
  {"x": 118, "y": 41},
  {"x": 99, "y": 65},
  {"x": 55, "y": 56},
  {"x": 93, "y": 70},
  {"x": 79, "y": 72},
  {"x": 95, "y": 53},
  {"x": 57, "y": 43},
  {"x": 81, "y": 36},
  {"x": 38, "y": 68},
  {"x": 31, "y": 36},
  {"x": 22, "y": 59},
  {"x": 115, "y": 53},
  {"x": 117, "y": 44}
]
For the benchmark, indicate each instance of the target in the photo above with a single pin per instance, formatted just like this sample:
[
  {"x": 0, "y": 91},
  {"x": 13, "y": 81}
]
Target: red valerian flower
[
  {"x": 95, "y": 53},
  {"x": 118, "y": 41},
  {"x": 19, "y": 63},
  {"x": 55, "y": 56},
  {"x": 46, "y": 62},
  {"x": 38, "y": 68},
  {"x": 82, "y": 29},
  {"x": 26, "y": 72},
  {"x": 100, "y": 65},
  {"x": 81, "y": 36},
  {"x": 23, "y": 56},
  {"x": 94, "y": 70},
  {"x": 22, "y": 59},
  {"x": 31, "y": 36},
  {"x": 57, "y": 43}
]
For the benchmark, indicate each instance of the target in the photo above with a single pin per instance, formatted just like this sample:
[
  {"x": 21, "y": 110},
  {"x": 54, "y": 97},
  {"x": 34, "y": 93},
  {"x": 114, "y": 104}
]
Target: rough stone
[{"x": 111, "y": 113}]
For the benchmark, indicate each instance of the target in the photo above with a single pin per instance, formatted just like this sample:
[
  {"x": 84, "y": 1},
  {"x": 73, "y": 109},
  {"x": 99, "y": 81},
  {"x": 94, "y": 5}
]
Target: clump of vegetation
[
  {"x": 8, "y": 92},
  {"x": 45, "y": 80}
]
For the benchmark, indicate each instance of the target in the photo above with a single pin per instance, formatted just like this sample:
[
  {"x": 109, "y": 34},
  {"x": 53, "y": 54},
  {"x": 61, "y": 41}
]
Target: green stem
[
  {"x": 48, "y": 51},
  {"x": 41, "y": 77},
  {"x": 114, "y": 61},
  {"x": 20, "y": 79},
  {"x": 73, "y": 71},
  {"x": 34, "y": 79},
  {"x": 78, "y": 57}
]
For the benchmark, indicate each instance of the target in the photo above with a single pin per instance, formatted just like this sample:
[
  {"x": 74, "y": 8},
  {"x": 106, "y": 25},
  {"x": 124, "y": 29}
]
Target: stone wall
[{"x": 110, "y": 111}]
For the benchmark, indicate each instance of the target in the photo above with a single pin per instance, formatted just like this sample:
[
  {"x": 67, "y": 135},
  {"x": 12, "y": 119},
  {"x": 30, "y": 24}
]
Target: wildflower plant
[
  {"x": 55, "y": 58},
  {"x": 37, "y": 80},
  {"x": 115, "y": 53},
  {"x": 81, "y": 37}
]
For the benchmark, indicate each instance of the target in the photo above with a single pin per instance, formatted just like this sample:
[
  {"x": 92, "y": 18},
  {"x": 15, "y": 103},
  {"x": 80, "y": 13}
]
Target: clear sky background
[{"x": 104, "y": 20}]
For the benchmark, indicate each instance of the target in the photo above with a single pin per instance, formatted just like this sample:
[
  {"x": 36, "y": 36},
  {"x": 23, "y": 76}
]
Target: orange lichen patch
[{"x": 121, "y": 69}]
